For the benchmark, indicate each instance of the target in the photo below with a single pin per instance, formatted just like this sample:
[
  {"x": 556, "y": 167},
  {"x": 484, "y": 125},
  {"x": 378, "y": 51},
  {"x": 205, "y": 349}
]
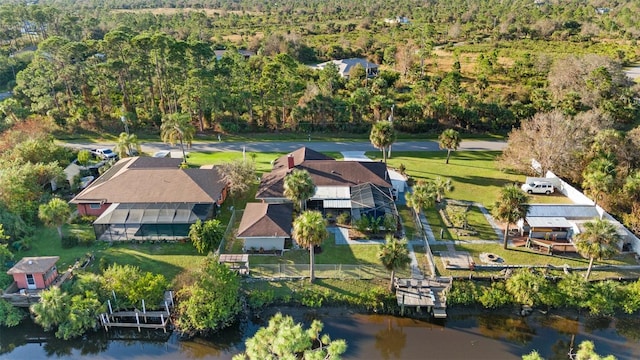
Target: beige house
[{"x": 265, "y": 227}]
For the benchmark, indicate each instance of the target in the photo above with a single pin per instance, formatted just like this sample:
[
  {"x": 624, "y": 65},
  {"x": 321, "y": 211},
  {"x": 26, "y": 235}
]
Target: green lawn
[
  {"x": 524, "y": 256},
  {"x": 46, "y": 242},
  {"x": 408, "y": 222},
  {"x": 262, "y": 160},
  {"x": 474, "y": 174},
  {"x": 331, "y": 254},
  {"x": 476, "y": 219},
  {"x": 168, "y": 259}
]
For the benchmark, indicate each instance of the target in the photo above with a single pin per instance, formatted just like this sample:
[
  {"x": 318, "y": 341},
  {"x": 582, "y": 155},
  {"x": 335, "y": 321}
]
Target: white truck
[{"x": 104, "y": 154}]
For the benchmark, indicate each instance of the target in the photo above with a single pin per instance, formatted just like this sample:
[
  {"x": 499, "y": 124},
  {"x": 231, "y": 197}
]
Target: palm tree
[
  {"x": 512, "y": 205},
  {"x": 599, "y": 240},
  {"x": 51, "y": 309},
  {"x": 55, "y": 213},
  {"x": 525, "y": 286},
  {"x": 423, "y": 196},
  {"x": 125, "y": 143},
  {"x": 299, "y": 187},
  {"x": 309, "y": 230},
  {"x": 178, "y": 127},
  {"x": 450, "y": 140},
  {"x": 382, "y": 136},
  {"x": 599, "y": 177},
  {"x": 394, "y": 255},
  {"x": 442, "y": 186}
]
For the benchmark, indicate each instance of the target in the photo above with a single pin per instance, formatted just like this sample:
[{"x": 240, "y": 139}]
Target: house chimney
[{"x": 290, "y": 162}]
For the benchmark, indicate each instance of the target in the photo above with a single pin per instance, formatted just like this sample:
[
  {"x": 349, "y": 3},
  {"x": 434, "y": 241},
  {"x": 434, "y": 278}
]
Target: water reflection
[
  {"x": 390, "y": 341},
  {"x": 485, "y": 335},
  {"x": 513, "y": 329}
]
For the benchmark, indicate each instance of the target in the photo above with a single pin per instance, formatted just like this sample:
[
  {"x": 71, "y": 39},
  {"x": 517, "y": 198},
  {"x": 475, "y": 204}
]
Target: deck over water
[{"x": 427, "y": 293}]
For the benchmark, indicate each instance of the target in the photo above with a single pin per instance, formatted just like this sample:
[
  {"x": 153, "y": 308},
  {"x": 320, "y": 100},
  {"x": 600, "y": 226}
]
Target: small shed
[
  {"x": 34, "y": 273},
  {"x": 236, "y": 262}
]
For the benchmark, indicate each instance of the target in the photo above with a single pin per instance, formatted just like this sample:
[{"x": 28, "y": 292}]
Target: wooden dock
[
  {"x": 423, "y": 293},
  {"x": 139, "y": 319},
  {"x": 124, "y": 319}
]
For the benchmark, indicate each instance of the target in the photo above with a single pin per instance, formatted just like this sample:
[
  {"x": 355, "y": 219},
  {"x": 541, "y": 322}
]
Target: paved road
[{"x": 286, "y": 146}]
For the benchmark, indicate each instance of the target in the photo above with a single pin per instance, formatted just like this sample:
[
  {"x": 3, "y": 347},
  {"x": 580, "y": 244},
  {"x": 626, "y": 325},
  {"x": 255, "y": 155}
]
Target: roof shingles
[
  {"x": 266, "y": 220},
  {"x": 153, "y": 180},
  {"x": 34, "y": 265}
]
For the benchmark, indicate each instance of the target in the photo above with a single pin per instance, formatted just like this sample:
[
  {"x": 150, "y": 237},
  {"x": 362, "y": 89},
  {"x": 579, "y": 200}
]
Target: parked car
[
  {"x": 105, "y": 154},
  {"x": 538, "y": 187}
]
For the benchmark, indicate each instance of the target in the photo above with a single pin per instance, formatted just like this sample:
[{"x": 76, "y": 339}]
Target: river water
[{"x": 482, "y": 335}]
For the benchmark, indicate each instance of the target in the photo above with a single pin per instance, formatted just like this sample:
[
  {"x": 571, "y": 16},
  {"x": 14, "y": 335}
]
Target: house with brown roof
[
  {"x": 340, "y": 185},
  {"x": 33, "y": 273},
  {"x": 265, "y": 226},
  {"x": 147, "y": 198}
]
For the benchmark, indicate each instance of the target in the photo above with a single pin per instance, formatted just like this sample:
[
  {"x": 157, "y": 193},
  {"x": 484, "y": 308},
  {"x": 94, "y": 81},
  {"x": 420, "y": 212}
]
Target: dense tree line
[
  {"x": 537, "y": 289},
  {"x": 144, "y": 66}
]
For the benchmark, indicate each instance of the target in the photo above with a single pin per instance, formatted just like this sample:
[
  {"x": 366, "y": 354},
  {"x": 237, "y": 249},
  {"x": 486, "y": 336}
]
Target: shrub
[
  {"x": 103, "y": 264},
  {"x": 343, "y": 219},
  {"x": 463, "y": 293},
  {"x": 260, "y": 299},
  {"x": 311, "y": 298},
  {"x": 70, "y": 241},
  {"x": 84, "y": 219},
  {"x": 495, "y": 296},
  {"x": 86, "y": 240}
]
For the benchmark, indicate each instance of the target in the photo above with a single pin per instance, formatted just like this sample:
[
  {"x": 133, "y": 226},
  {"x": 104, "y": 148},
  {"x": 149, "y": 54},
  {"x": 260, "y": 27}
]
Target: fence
[
  {"x": 321, "y": 271},
  {"x": 229, "y": 230},
  {"x": 579, "y": 198},
  {"x": 428, "y": 253}
]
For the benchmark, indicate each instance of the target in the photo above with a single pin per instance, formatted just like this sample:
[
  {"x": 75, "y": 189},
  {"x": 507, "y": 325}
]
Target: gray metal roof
[
  {"x": 565, "y": 211},
  {"x": 551, "y": 222}
]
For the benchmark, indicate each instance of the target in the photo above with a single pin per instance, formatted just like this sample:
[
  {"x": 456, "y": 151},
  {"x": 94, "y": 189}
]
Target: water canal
[{"x": 461, "y": 336}]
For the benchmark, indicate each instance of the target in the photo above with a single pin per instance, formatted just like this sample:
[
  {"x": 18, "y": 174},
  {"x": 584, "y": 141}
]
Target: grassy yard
[
  {"x": 168, "y": 259},
  {"x": 284, "y": 289},
  {"x": 408, "y": 222},
  {"x": 262, "y": 160},
  {"x": 522, "y": 256},
  {"x": 46, "y": 242},
  {"x": 331, "y": 254},
  {"x": 474, "y": 174}
]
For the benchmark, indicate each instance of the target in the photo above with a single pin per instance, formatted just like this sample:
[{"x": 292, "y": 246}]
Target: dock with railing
[
  {"x": 429, "y": 294},
  {"x": 141, "y": 319}
]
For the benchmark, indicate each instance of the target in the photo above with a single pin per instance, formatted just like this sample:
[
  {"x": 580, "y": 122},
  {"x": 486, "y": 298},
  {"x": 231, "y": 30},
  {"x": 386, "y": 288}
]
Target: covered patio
[{"x": 157, "y": 221}]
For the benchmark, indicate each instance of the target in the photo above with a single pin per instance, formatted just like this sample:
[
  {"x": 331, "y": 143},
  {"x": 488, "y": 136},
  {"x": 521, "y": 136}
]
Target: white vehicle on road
[{"x": 105, "y": 154}]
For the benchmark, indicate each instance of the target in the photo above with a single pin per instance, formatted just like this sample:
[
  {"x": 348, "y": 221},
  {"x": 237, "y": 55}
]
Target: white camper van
[{"x": 538, "y": 187}]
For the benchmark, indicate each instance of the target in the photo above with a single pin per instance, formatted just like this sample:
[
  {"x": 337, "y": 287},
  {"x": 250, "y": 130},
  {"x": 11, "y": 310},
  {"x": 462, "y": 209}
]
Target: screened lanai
[
  {"x": 153, "y": 221},
  {"x": 371, "y": 200}
]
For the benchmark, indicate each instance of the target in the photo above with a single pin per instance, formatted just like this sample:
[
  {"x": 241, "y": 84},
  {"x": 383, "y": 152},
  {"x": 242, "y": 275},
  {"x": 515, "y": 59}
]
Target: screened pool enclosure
[{"x": 160, "y": 221}]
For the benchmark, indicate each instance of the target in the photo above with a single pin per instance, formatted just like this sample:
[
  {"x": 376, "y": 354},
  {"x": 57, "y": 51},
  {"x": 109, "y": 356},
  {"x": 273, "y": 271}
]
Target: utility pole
[
  {"x": 126, "y": 130},
  {"x": 391, "y": 121}
]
